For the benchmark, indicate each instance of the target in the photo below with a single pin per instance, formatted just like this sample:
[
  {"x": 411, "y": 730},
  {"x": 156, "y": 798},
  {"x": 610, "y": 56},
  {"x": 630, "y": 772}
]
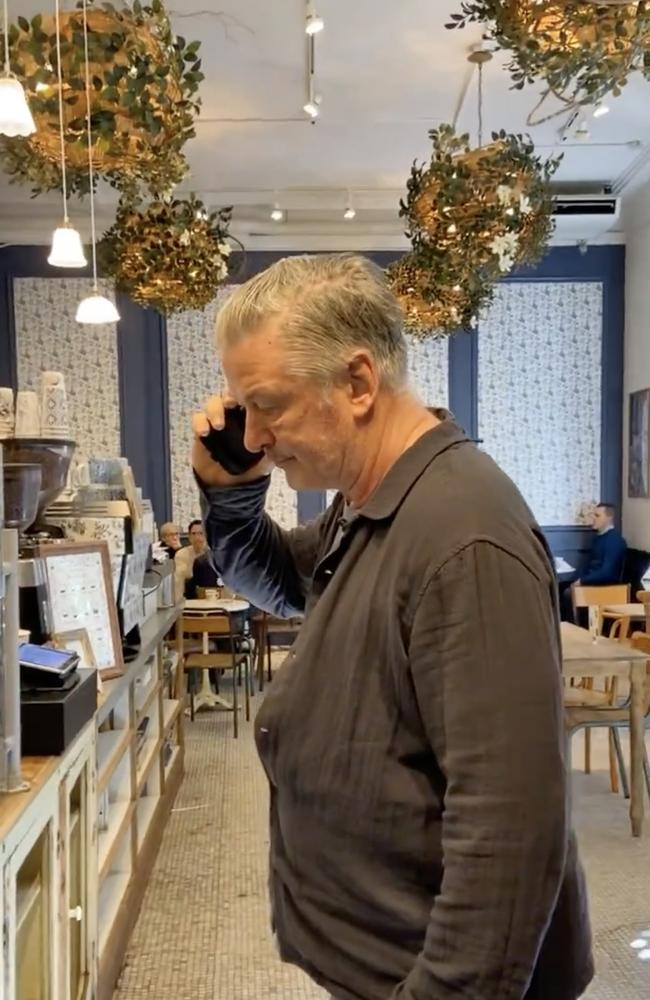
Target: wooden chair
[
  {"x": 592, "y": 712},
  {"x": 219, "y": 630},
  {"x": 597, "y": 597},
  {"x": 267, "y": 626},
  {"x": 643, "y": 597}
]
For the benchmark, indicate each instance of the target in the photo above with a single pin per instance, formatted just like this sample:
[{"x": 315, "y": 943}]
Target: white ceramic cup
[{"x": 28, "y": 414}]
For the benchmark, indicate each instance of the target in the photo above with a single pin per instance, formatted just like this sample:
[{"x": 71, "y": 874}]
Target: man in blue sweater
[
  {"x": 607, "y": 551},
  {"x": 606, "y": 557}
]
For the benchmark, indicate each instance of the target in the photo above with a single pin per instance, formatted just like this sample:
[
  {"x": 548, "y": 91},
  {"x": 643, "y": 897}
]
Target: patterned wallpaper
[
  {"x": 429, "y": 370},
  {"x": 49, "y": 338},
  {"x": 539, "y": 392},
  {"x": 194, "y": 374}
]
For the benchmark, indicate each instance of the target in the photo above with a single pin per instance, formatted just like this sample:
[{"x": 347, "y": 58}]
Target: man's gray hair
[{"x": 326, "y": 305}]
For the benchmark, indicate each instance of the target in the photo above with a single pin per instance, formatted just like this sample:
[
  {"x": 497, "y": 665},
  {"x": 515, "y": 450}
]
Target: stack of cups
[
  {"x": 7, "y": 422},
  {"x": 54, "y": 406},
  {"x": 28, "y": 416}
]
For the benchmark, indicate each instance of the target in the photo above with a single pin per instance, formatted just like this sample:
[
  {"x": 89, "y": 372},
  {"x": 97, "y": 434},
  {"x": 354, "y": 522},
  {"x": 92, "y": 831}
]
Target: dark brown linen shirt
[{"x": 413, "y": 740}]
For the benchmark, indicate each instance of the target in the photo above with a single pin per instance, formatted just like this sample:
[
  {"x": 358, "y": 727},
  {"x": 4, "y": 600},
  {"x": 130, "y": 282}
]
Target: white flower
[
  {"x": 225, "y": 249},
  {"x": 505, "y": 248},
  {"x": 184, "y": 238},
  {"x": 222, "y": 270},
  {"x": 505, "y": 194},
  {"x": 525, "y": 206},
  {"x": 133, "y": 72}
]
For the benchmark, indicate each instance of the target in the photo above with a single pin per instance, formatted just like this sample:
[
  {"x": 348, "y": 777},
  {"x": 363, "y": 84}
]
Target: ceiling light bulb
[
  {"x": 67, "y": 250},
  {"x": 600, "y": 110},
  {"x": 349, "y": 213},
  {"x": 277, "y": 214},
  {"x": 314, "y": 23},
  {"x": 311, "y": 108},
  {"x": 96, "y": 309},
  {"x": 15, "y": 116}
]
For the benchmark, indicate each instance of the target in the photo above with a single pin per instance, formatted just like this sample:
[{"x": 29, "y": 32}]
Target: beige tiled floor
[{"x": 203, "y": 930}]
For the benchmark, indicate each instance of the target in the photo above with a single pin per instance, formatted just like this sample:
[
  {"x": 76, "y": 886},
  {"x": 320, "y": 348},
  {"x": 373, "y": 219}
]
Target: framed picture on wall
[{"x": 638, "y": 477}]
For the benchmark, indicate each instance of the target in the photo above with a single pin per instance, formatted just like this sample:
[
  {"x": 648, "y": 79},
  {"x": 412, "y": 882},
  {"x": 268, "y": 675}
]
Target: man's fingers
[{"x": 200, "y": 424}]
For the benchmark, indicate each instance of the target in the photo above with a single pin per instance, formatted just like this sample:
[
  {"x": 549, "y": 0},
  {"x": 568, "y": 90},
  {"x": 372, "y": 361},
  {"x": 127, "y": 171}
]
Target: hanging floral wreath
[
  {"x": 143, "y": 98},
  {"x": 169, "y": 255},
  {"x": 582, "y": 50},
  {"x": 474, "y": 215}
]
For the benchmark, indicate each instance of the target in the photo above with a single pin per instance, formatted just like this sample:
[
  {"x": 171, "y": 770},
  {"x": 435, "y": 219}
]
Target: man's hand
[{"x": 209, "y": 471}]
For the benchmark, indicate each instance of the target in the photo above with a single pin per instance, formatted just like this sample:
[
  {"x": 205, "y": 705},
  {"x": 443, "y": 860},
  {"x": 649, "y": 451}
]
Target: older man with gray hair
[{"x": 413, "y": 740}]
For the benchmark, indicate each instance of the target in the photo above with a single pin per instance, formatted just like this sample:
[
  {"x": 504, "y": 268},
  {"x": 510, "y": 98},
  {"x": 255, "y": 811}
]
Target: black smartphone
[{"x": 227, "y": 446}]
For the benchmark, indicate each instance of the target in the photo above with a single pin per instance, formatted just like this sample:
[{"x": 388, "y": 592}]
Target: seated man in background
[
  {"x": 171, "y": 538},
  {"x": 204, "y": 575},
  {"x": 607, "y": 551},
  {"x": 606, "y": 558},
  {"x": 184, "y": 561}
]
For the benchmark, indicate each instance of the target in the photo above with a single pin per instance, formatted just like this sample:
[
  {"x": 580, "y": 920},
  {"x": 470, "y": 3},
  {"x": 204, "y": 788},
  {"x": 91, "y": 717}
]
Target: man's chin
[{"x": 298, "y": 477}]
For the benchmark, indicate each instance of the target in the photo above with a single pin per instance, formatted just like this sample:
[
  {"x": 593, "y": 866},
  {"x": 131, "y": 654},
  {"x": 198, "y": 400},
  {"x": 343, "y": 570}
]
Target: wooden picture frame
[
  {"x": 78, "y": 595},
  {"x": 638, "y": 466},
  {"x": 76, "y": 640}
]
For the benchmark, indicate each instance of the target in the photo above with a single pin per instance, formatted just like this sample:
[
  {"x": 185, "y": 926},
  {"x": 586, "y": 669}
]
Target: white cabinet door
[
  {"x": 31, "y": 940},
  {"x": 77, "y": 898}
]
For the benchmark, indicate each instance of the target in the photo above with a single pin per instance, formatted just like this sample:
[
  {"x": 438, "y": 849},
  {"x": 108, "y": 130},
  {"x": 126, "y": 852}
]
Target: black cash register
[{"x": 57, "y": 698}]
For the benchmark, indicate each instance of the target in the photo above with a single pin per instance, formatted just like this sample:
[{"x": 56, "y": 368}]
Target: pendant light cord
[
  {"x": 93, "y": 235},
  {"x": 6, "y": 39},
  {"x": 64, "y": 183}
]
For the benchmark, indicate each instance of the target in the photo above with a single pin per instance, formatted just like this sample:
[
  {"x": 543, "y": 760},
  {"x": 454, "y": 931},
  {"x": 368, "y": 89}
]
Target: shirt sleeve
[
  {"x": 270, "y": 566},
  {"x": 485, "y": 663}
]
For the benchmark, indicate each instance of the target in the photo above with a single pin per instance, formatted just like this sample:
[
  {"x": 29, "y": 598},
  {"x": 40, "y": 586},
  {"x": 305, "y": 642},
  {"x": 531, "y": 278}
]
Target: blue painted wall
[{"x": 142, "y": 352}]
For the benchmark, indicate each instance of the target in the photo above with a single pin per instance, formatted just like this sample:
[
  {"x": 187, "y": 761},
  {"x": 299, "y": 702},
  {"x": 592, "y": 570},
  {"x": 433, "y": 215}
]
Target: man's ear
[{"x": 363, "y": 382}]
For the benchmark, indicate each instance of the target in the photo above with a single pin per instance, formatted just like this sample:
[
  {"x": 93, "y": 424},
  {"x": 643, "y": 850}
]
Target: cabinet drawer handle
[{"x": 76, "y": 914}]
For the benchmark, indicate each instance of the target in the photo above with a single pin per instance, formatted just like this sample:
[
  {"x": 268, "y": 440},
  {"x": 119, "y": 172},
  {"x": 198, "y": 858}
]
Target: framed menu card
[{"x": 79, "y": 595}]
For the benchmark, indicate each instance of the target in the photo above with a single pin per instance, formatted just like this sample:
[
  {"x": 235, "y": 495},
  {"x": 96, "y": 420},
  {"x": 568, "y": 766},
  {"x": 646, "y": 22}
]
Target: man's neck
[
  {"x": 608, "y": 527},
  {"x": 400, "y": 420}
]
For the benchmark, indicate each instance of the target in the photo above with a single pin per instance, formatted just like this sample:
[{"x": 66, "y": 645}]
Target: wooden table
[
  {"x": 584, "y": 657},
  {"x": 201, "y": 606},
  {"x": 624, "y": 613}
]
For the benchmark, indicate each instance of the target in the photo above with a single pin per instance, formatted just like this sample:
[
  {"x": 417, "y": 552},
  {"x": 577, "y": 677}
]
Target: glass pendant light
[
  {"x": 15, "y": 116},
  {"x": 95, "y": 308},
  {"x": 67, "y": 250}
]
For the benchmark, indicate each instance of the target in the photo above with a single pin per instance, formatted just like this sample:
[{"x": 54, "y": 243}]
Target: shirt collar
[{"x": 408, "y": 468}]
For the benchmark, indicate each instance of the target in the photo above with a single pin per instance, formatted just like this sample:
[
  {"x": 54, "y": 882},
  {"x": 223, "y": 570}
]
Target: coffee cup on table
[{"x": 28, "y": 414}]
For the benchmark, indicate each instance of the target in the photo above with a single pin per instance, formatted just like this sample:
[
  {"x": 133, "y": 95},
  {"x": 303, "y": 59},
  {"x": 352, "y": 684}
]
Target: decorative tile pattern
[
  {"x": 428, "y": 365},
  {"x": 194, "y": 374},
  {"x": 48, "y": 338},
  {"x": 539, "y": 392}
]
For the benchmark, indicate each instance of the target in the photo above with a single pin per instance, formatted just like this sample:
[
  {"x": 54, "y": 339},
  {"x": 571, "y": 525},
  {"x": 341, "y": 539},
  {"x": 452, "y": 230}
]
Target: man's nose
[{"x": 257, "y": 435}]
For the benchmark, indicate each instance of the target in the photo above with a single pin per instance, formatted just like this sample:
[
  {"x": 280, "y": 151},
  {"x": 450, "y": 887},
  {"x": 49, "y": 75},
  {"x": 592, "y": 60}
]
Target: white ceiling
[{"x": 387, "y": 73}]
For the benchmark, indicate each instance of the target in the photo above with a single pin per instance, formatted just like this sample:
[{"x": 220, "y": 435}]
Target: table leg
[
  {"x": 205, "y": 697},
  {"x": 637, "y": 738}
]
